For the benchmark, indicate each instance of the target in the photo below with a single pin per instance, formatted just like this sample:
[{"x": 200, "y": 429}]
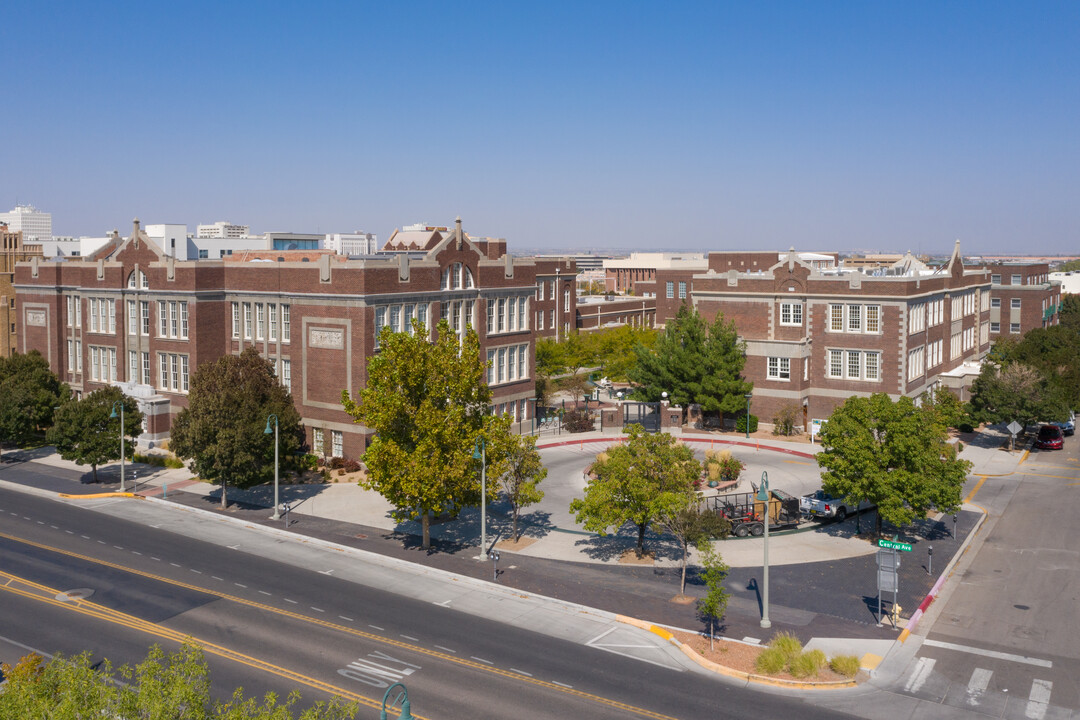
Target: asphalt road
[
  {"x": 274, "y": 625},
  {"x": 1006, "y": 642}
]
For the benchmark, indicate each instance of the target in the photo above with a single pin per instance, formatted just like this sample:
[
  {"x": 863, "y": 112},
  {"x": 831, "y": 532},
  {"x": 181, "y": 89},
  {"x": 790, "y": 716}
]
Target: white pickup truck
[{"x": 821, "y": 504}]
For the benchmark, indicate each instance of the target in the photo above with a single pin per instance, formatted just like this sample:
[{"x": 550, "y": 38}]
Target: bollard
[{"x": 164, "y": 490}]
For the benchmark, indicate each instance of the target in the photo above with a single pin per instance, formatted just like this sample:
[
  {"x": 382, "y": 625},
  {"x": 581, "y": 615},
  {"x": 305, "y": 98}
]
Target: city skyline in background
[{"x": 607, "y": 127}]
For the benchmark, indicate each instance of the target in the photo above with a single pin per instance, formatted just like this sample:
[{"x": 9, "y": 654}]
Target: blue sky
[{"x": 586, "y": 125}]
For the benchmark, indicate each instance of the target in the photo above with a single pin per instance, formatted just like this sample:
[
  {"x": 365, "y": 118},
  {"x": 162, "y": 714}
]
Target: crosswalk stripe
[
  {"x": 1038, "y": 699},
  {"x": 920, "y": 674},
  {"x": 980, "y": 680}
]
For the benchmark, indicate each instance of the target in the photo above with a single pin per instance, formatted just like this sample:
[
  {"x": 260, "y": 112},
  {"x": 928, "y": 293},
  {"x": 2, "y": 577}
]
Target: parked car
[
  {"x": 1050, "y": 438},
  {"x": 1068, "y": 425},
  {"x": 823, "y": 505}
]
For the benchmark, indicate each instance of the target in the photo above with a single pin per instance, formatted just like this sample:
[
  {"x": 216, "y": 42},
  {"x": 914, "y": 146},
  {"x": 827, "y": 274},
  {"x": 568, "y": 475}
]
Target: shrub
[
  {"x": 740, "y": 423},
  {"x": 577, "y": 421},
  {"x": 787, "y": 644},
  {"x": 846, "y": 665},
  {"x": 784, "y": 421},
  {"x": 309, "y": 461},
  {"x": 770, "y": 661},
  {"x": 807, "y": 664},
  {"x": 351, "y": 466},
  {"x": 336, "y": 463},
  {"x": 966, "y": 427},
  {"x": 165, "y": 461}
]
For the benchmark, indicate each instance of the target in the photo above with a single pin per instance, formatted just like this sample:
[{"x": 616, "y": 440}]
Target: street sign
[
  {"x": 886, "y": 581},
  {"x": 888, "y": 559},
  {"x": 1014, "y": 427},
  {"x": 893, "y": 545}
]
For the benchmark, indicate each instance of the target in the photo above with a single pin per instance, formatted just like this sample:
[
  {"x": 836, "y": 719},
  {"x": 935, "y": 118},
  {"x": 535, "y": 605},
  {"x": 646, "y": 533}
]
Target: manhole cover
[{"x": 74, "y": 595}]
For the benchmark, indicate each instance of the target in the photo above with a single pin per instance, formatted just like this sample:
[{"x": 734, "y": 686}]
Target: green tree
[
  {"x": 695, "y": 363},
  {"x": 647, "y": 477},
  {"x": 518, "y": 471},
  {"x": 222, "y": 431},
  {"x": 1069, "y": 316},
  {"x": 30, "y": 392},
  {"x": 893, "y": 454},
  {"x": 549, "y": 358},
  {"x": 84, "y": 432},
  {"x": 713, "y": 571},
  {"x": 428, "y": 405},
  {"x": 615, "y": 349},
  {"x": 1015, "y": 391},
  {"x": 690, "y": 526},
  {"x": 174, "y": 685},
  {"x": 1055, "y": 353}
]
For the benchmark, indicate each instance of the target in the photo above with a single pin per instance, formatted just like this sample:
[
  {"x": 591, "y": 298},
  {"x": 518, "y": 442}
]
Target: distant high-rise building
[
  {"x": 356, "y": 243},
  {"x": 36, "y": 226},
  {"x": 222, "y": 229}
]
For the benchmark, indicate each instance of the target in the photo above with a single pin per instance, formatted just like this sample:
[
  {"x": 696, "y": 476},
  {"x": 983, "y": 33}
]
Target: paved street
[{"x": 1005, "y": 641}]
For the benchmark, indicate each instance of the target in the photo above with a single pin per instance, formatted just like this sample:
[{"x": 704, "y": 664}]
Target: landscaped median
[{"x": 753, "y": 651}]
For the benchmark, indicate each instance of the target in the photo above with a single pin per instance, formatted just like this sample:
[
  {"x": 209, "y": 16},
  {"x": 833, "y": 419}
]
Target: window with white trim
[
  {"x": 286, "y": 373},
  {"x": 916, "y": 363},
  {"x": 236, "y": 320},
  {"x": 163, "y": 319},
  {"x": 936, "y": 313},
  {"x": 995, "y": 302},
  {"x": 272, "y": 317},
  {"x": 872, "y": 366},
  {"x": 916, "y": 318},
  {"x": 836, "y": 318},
  {"x": 995, "y": 279},
  {"x": 854, "y": 318},
  {"x": 540, "y": 290},
  {"x": 318, "y": 442},
  {"x": 836, "y": 363},
  {"x": 132, "y": 318},
  {"x": 337, "y": 443},
  {"x": 183, "y": 373},
  {"x": 1017, "y": 280},
  {"x": 78, "y": 314},
  {"x": 380, "y": 323},
  {"x": 78, "y": 356},
  {"x": 70, "y": 310},
  {"x": 791, "y": 313},
  {"x": 1014, "y": 303},
  {"x": 133, "y": 366},
  {"x": 779, "y": 368},
  {"x": 491, "y": 367},
  {"x": 539, "y": 319},
  {"x": 682, "y": 290},
  {"x": 566, "y": 301},
  {"x": 70, "y": 355},
  {"x": 183, "y": 319},
  {"x": 145, "y": 368},
  {"x": 670, "y": 288},
  {"x": 286, "y": 329},
  {"x": 260, "y": 321},
  {"x": 995, "y": 327},
  {"x": 1014, "y": 328}
]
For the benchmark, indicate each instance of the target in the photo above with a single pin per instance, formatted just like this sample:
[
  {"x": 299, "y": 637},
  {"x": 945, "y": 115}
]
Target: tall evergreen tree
[{"x": 694, "y": 363}]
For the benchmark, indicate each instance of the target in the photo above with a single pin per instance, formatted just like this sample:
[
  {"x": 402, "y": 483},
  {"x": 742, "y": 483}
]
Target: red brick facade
[
  {"x": 155, "y": 320},
  {"x": 1021, "y": 298}
]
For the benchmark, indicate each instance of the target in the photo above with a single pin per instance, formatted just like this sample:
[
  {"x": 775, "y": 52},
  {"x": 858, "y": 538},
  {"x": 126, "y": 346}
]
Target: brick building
[
  {"x": 555, "y": 302},
  {"x": 12, "y": 250},
  {"x": 1022, "y": 297},
  {"x": 636, "y": 275},
  {"x": 817, "y": 333},
  {"x": 132, "y": 316},
  {"x": 597, "y": 312}
]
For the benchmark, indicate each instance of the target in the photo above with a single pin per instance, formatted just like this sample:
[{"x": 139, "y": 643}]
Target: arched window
[
  {"x": 143, "y": 282},
  {"x": 131, "y": 279},
  {"x": 469, "y": 284}
]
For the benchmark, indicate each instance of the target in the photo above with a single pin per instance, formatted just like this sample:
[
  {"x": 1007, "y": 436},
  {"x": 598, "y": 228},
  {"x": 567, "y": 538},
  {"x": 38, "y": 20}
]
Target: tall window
[
  {"x": 183, "y": 373},
  {"x": 236, "y": 320},
  {"x": 337, "y": 443},
  {"x": 670, "y": 289},
  {"x": 163, "y": 319},
  {"x": 873, "y": 318},
  {"x": 183, "y": 319},
  {"x": 682, "y": 290},
  {"x": 70, "y": 355},
  {"x": 836, "y": 363},
  {"x": 836, "y": 318},
  {"x": 132, "y": 317},
  {"x": 93, "y": 314},
  {"x": 511, "y": 319},
  {"x": 318, "y": 442},
  {"x": 163, "y": 367},
  {"x": 566, "y": 301},
  {"x": 145, "y": 368},
  {"x": 271, "y": 313},
  {"x": 247, "y": 321},
  {"x": 501, "y": 315},
  {"x": 70, "y": 311},
  {"x": 523, "y": 360},
  {"x": 491, "y": 367},
  {"x": 78, "y": 316},
  {"x": 490, "y": 316},
  {"x": 854, "y": 318},
  {"x": 540, "y": 290},
  {"x": 380, "y": 322},
  {"x": 174, "y": 319},
  {"x": 286, "y": 372},
  {"x": 260, "y": 321},
  {"x": 133, "y": 366},
  {"x": 285, "y": 327},
  {"x": 522, "y": 316},
  {"x": 111, "y": 311},
  {"x": 873, "y": 365},
  {"x": 78, "y": 356}
]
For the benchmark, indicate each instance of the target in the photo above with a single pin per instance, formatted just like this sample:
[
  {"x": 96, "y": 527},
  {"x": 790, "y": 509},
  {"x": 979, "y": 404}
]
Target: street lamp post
[
  {"x": 763, "y": 494},
  {"x": 480, "y": 453},
  {"x": 277, "y": 513},
  {"x": 748, "y": 396},
  {"x": 406, "y": 711},
  {"x": 121, "y": 404}
]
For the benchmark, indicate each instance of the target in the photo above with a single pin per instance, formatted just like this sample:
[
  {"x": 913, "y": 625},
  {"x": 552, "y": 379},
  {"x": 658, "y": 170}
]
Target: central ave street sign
[{"x": 892, "y": 544}]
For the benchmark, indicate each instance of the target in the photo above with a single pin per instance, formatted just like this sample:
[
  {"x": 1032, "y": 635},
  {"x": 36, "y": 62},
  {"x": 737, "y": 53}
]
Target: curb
[
  {"x": 731, "y": 672},
  {"x": 619, "y": 438},
  {"x": 913, "y": 621},
  {"x": 97, "y": 496}
]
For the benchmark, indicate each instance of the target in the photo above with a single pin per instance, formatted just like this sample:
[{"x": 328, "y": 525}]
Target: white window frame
[
  {"x": 778, "y": 368},
  {"x": 791, "y": 314}
]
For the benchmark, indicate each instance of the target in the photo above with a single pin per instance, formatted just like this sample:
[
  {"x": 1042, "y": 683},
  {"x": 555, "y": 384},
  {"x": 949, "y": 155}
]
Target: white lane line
[
  {"x": 376, "y": 627},
  {"x": 118, "y": 547},
  {"x": 54, "y": 527},
  {"x": 920, "y": 674},
  {"x": 136, "y": 552},
  {"x": 522, "y": 672},
  {"x": 980, "y": 680},
  {"x": 39, "y": 522},
  {"x": 473, "y": 657},
  {"x": 1038, "y": 699},
  {"x": 1039, "y": 662},
  {"x": 69, "y": 532},
  {"x": 85, "y": 537},
  {"x": 217, "y": 578},
  {"x": 240, "y": 585},
  {"x": 263, "y": 592},
  {"x": 101, "y": 542},
  {"x": 154, "y": 558},
  {"x": 174, "y": 564},
  {"x": 556, "y": 682},
  {"x": 26, "y": 518},
  {"x": 290, "y": 601},
  {"x": 346, "y": 619},
  {"x": 441, "y": 647},
  {"x": 410, "y": 637},
  {"x": 316, "y": 609}
]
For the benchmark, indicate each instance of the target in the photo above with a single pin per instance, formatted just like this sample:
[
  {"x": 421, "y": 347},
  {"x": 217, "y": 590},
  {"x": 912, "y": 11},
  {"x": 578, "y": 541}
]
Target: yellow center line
[
  {"x": 982, "y": 479},
  {"x": 1063, "y": 477},
  {"x": 799, "y": 462},
  {"x": 343, "y": 629}
]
